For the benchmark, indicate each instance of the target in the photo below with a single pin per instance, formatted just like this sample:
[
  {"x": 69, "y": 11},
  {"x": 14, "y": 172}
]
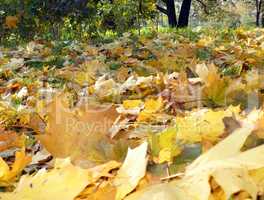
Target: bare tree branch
[
  {"x": 204, "y": 6},
  {"x": 163, "y": 10}
]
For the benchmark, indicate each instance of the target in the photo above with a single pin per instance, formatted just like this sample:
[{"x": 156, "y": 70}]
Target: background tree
[
  {"x": 184, "y": 13},
  {"x": 262, "y": 14},
  {"x": 100, "y": 19},
  {"x": 68, "y": 19},
  {"x": 169, "y": 10},
  {"x": 258, "y": 11},
  {"x": 171, "y": 13}
]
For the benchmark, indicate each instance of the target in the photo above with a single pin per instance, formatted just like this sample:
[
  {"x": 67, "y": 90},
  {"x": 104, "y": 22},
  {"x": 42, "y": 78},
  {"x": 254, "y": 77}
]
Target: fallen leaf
[
  {"x": 132, "y": 107},
  {"x": 204, "y": 124},
  {"x": 224, "y": 158},
  {"x": 202, "y": 71},
  {"x": 10, "y": 139},
  {"x": 79, "y": 133},
  {"x": 204, "y": 42},
  {"x": 105, "y": 191},
  {"x": 130, "y": 104},
  {"x": 151, "y": 107},
  {"x": 132, "y": 170},
  {"x": 164, "y": 145},
  {"x": 106, "y": 89},
  {"x": 215, "y": 88},
  {"x": 7, "y": 175},
  {"x": 65, "y": 181}
]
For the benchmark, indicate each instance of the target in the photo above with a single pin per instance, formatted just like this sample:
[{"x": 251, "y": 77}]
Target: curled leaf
[{"x": 132, "y": 170}]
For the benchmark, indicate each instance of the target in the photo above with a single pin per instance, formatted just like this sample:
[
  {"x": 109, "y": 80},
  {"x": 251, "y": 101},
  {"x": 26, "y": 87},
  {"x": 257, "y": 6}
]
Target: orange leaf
[
  {"x": 79, "y": 133},
  {"x": 11, "y": 21},
  {"x": 7, "y": 175},
  {"x": 9, "y": 139}
]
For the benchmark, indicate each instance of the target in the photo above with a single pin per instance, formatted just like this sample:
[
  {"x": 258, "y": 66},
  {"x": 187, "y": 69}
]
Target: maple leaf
[
  {"x": 197, "y": 126},
  {"x": 215, "y": 88},
  {"x": 182, "y": 92},
  {"x": 7, "y": 175},
  {"x": 164, "y": 145},
  {"x": 80, "y": 133},
  {"x": 224, "y": 158},
  {"x": 204, "y": 42},
  {"x": 105, "y": 191},
  {"x": 106, "y": 89},
  {"x": 130, "y": 104},
  {"x": 151, "y": 107},
  {"x": 132, "y": 170},
  {"x": 65, "y": 181},
  {"x": 202, "y": 71},
  {"x": 132, "y": 107},
  {"x": 9, "y": 139},
  {"x": 203, "y": 124}
]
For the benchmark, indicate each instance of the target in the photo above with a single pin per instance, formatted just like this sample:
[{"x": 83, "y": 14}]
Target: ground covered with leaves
[{"x": 173, "y": 115}]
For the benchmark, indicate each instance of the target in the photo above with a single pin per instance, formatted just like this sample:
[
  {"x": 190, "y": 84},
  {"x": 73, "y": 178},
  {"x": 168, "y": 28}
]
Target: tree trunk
[
  {"x": 21, "y": 10},
  {"x": 262, "y": 13},
  {"x": 262, "y": 19},
  {"x": 171, "y": 13},
  {"x": 22, "y": 6},
  {"x": 258, "y": 11},
  {"x": 258, "y": 18},
  {"x": 184, "y": 13}
]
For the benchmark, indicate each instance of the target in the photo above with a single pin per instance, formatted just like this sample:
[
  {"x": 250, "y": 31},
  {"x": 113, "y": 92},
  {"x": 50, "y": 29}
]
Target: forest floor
[{"x": 157, "y": 116}]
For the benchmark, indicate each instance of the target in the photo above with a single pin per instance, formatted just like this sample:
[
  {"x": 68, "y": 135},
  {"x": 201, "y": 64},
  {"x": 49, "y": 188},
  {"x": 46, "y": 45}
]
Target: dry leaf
[
  {"x": 204, "y": 124},
  {"x": 79, "y": 133},
  {"x": 224, "y": 158},
  {"x": 10, "y": 139},
  {"x": 215, "y": 89},
  {"x": 65, "y": 182},
  {"x": 202, "y": 71},
  {"x": 104, "y": 191},
  {"x": 132, "y": 170},
  {"x": 8, "y": 175},
  {"x": 151, "y": 106}
]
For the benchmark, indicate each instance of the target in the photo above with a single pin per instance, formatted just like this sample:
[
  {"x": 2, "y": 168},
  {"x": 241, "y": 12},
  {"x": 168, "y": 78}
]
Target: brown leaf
[
  {"x": 80, "y": 132},
  {"x": 10, "y": 139},
  {"x": 231, "y": 124}
]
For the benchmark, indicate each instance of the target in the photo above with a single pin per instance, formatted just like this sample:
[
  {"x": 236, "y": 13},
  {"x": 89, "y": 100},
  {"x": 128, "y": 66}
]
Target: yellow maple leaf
[
  {"x": 7, "y": 175},
  {"x": 204, "y": 42},
  {"x": 65, "y": 181},
  {"x": 83, "y": 78},
  {"x": 206, "y": 124},
  {"x": 225, "y": 162},
  {"x": 151, "y": 106},
  {"x": 130, "y": 104},
  {"x": 167, "y": 154},
  {"x": 202, "y": 71},
  {"x": 163, "y": 145},
  {"x": 215, "y": 89}
]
